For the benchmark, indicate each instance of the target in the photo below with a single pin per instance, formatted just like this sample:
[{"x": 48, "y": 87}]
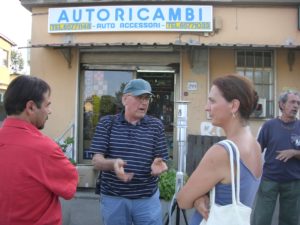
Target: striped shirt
[{"x": 138, "y": 145}]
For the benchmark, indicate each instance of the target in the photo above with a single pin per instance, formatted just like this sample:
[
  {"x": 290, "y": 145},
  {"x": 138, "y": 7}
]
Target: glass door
[
  {"x": 162, "y": 106},
  {"x": 100, "y": 95}
]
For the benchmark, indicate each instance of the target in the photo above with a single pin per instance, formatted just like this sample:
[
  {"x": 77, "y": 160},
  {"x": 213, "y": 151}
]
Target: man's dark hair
[{"x": 23, "y": 89}]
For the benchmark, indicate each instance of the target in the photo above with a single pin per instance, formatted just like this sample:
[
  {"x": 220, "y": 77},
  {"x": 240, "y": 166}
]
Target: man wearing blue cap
[{"x": 130, "y": 149}]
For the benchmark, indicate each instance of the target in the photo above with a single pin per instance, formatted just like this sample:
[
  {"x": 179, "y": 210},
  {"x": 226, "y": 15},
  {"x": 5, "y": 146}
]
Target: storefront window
[
  {"x": 162, "y": 106},
  {"x": 101, "y": 95},
  {"x": 101, "y": 92}
]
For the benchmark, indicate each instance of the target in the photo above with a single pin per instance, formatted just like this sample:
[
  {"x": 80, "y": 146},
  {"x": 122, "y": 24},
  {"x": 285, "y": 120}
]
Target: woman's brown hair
[{"x": 240, "y": 88}]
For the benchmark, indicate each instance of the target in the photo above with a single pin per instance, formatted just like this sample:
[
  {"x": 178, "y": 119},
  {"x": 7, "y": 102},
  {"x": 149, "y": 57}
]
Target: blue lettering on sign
[
  {"x": 119, "y": 14},
  {"x": 105, "y": 25},
  {"x": 174, "y": 15},
  {"x": 158, "y": 15},
  {"x": 63, "y": 17},
  {"x": 130, "y": 14},
  {"x": 200, "y": 14},
  {"x": 105, "y": 14},
  {"x": 139, "y": 14},
  {"x": 77, "y": 19},
  {"x": 90, "y": 11},
  {"x": 189, "y": 14}
]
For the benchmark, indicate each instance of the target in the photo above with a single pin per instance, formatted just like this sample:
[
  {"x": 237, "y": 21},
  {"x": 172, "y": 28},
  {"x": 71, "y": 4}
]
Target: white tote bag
[{"x": 232, "y": 214}]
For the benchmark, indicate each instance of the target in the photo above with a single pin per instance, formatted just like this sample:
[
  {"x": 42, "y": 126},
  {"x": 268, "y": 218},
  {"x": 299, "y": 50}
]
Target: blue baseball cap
[{"x": 138, "y": 87}]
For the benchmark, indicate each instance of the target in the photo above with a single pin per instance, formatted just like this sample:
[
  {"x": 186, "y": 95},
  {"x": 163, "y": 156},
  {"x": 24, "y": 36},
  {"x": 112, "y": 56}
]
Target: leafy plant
[
  {"x": 72, "y": 161},
  {"x": 96, "y": 109},
  {"x": 64, "y": 146},
  {"x": 166, "y": 184},
  {"x": 17, "y": 61}
]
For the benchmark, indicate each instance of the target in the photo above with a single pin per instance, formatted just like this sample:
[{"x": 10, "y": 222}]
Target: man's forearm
[
  {"x": 100, "y": 163},
  {"x": 297, "y": 154}
]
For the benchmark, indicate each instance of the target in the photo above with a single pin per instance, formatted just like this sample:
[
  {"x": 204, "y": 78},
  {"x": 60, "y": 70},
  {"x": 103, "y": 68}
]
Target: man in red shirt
[{"x": 34, "y": 171}]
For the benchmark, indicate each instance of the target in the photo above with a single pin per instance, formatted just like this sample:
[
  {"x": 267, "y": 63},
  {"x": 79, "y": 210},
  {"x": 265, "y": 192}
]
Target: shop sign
[{"x": 131, "y": 18}]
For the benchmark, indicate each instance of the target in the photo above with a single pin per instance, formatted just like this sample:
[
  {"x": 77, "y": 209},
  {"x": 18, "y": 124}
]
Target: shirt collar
[
  {"x": 21, "y": 124},
  {"x": 144, "y": 120}
]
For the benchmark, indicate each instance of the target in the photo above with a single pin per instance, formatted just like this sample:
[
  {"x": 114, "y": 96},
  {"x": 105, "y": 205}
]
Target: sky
[{"x": 15, "y": 24}]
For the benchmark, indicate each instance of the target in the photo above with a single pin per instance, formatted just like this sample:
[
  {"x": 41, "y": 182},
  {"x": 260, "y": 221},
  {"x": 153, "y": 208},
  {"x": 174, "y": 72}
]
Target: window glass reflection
[{"x": 102, "y": 91}]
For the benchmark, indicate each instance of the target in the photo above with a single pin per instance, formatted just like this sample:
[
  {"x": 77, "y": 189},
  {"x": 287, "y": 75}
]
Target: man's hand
[
  {"x": 158, "y": 166},
  {"x": 120, "y": 172},
  {"x": 285, "y": 155},
  {"x": 202, "y": 206}
]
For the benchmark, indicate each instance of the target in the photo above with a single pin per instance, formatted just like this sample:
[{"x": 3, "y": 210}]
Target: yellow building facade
[
  {"x": 88, "y": 50},
  {"x": 5, "y": 72}
]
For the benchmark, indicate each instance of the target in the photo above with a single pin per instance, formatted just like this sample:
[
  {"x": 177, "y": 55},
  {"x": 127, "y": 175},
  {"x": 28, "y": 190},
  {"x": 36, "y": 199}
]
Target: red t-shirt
[{"x": 34, "y": 173}]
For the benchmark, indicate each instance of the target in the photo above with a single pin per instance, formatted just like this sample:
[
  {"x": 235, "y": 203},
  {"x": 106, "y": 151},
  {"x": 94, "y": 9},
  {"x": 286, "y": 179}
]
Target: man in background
[
  {"x": 34, "y": 171},
  {"x": 280, "y": 138}
]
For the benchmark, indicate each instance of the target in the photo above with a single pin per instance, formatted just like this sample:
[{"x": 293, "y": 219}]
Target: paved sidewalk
[{"x": 84, "y": 209}]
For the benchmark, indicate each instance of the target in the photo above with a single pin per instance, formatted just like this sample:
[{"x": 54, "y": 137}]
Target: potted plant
[
  {"x": 166, "y": 184},
  {"x": 65, "y": 145}
]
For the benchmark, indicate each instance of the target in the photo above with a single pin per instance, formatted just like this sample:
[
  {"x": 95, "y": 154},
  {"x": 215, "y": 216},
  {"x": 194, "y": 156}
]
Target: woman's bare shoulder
[{"x": 216, "y": 156}]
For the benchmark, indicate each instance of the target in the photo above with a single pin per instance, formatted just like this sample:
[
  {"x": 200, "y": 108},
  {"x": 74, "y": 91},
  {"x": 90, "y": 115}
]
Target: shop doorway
[
  {"x": 100, "y": 95},
  {"x": 162, "y": 106}
]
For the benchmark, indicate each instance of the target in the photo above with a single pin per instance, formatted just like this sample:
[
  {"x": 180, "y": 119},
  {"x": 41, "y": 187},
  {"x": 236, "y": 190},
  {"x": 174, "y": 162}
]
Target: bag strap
[
  {"x": 113, "y": 118},
  {"x": 234, "y": 148},
  {"x": 230, "y": 146},
  {"x": 112, "y": 121}
]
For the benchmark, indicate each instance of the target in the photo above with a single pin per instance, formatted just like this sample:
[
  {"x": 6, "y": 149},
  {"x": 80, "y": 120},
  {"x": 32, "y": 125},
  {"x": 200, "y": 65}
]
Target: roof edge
[
  {"x": 29, "y": 4},
  {"x": 157, "y": 45},
  {"x": 7, "y": 39}
]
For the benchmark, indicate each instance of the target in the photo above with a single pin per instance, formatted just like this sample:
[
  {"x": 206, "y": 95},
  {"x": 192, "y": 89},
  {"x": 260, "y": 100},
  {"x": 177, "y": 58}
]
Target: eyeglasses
[{"x": 147, "y": 98}]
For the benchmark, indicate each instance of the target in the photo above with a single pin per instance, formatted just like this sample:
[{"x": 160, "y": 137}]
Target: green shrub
[
  {"x": 65, "y": 144},
  {"x": 166, "y": 184}
]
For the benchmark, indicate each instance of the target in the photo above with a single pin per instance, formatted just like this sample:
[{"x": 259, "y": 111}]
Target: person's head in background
[
  {"x": 231, "y": 98},
  {"x": 289, "y": 103},
  {"x": 136, "y": 98},
  {"x": 28, "y": 98}
]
